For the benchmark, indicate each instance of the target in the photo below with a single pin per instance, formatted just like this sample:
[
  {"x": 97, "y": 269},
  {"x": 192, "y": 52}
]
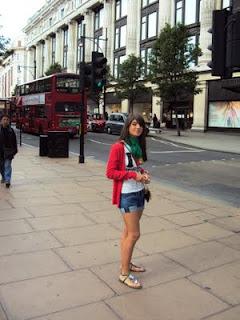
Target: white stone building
[
  {"x": 12, "y": 69},
  {"x": 130, "y": 26}
]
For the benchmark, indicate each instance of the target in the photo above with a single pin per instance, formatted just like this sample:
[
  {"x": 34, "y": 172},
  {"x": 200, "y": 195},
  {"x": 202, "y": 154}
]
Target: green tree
[
  {"x": 54, "y": 68},
  {"x": 129, "y": 84},
  {"x": 3, "y": 45},
  {"x": 170, "y": 65}
]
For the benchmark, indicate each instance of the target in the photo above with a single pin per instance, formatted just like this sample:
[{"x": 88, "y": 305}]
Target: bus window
[
  {"x": 70, "y": 85},
  {"x": 40, "y": 112},
  {"x": 67, "y": 107},
  {"x": 32, "y": 87},
  {"x": 22, "y": 92}
]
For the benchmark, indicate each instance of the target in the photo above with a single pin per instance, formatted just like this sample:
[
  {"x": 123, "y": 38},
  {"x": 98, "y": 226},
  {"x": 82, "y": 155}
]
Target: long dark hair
[{"x": 142, "y": 138}]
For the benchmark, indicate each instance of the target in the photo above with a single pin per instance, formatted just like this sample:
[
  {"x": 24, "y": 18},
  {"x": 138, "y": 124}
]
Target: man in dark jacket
[{"x": 8, "y": 149}]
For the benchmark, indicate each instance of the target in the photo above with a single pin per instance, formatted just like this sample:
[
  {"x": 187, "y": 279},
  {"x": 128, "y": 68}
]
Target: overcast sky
[{"x": 14, "y": 15}]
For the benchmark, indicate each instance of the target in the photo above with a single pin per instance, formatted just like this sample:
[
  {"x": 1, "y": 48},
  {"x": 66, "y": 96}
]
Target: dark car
[
  {"x": 96, "y": 122},
  {"x": 115, "y": 122}
]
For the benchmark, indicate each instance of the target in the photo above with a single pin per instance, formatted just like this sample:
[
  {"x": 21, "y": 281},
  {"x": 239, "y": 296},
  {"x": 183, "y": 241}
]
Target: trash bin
[
  {"x": 58, "y": 144},
  {"x": 43, "y": 145}
]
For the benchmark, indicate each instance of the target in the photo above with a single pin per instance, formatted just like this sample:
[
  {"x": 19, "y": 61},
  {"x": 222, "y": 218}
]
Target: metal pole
[
  {"x": 82, "y": 101},
  {"x": 104, "y": 88}
]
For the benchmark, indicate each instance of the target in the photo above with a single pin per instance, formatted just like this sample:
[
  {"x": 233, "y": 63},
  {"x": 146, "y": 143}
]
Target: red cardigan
[{"x": 116, "y": 170}]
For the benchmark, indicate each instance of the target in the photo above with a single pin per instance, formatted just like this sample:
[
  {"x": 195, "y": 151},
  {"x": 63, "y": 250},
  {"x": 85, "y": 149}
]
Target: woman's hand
[{"x": 143, "y": 177}]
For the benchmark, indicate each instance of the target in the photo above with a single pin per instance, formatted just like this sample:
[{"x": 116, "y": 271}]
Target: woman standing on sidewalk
[{"x": 123, "y": 167}]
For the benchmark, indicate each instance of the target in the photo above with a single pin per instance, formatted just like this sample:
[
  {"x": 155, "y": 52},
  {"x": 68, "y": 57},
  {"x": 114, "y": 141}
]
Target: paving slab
[
  {"x": 14, "y": 214},
  {"x": 222, "y": 211},
  {"x": 57, "y": 292},
  {"x": 232, "y": 314},
  {"x": 159, "y": 270},
  {"x": 95, "y": 233},
  {"x": 176, "y": 300},
  {"x": 229, "y": 223},
  {"x": 4, "y": 204},
  {"x": 54, "y": 210},
  {"x": 204, "y": 256},
  {"x": 207, "y": 231},
  {"x": 99, "y": 311},
  {"x": 30, "y": 265},
  {"x": 164, "y": 241},
  {"x": 59, "y": 222},
  {"x": 37, "y": 201},
  {"x": 223, "y": 282},
  {"x": 27, "y": 243},
  {"x": 89, "y": 255},
  {"x": 2, "y": 314},
  {"x": 14, "y": 227},
  {"x": 162, "y": 207},
  {"x": 94, "y": 206},
  {"x": 105, "y": 216},
  {"x": 232, "y": 241},
  {"x": 189, "y": 218}
]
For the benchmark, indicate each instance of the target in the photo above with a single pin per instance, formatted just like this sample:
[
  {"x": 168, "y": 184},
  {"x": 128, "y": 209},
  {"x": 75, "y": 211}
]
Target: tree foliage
[
  {"x": 54, "y": 68},
  {"x": 170, "y": 64},
  {"x": 3, "y": 45},
  {"x": 129, "y": 84}
]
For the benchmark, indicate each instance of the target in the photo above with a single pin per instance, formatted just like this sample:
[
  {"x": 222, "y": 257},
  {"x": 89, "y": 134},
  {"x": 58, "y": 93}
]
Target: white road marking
[
  {"x": 99, "y": 142},
  {"x": 173, "y": 144},
  {"x": 178, "y": 151}
]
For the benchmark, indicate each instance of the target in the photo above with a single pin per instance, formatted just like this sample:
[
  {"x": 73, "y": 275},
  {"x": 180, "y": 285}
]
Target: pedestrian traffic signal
[
  {"x": 218, "y": 46},
  {"x": 85, "y": 75},
  {"x": 99, "y": 71},
  {"x": 233, "y": 42}
]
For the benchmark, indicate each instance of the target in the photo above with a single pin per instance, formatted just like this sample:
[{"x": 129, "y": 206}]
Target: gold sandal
[
  {"x": 130, "y": 280},
  {"x": 134, "y": 268}
]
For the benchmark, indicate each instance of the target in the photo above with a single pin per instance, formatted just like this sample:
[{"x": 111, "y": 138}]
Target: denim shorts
[{"x": 132, "y": 202}]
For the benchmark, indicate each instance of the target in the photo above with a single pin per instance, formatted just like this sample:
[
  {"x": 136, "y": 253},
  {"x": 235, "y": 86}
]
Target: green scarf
[{"x": 136, "y": 149}]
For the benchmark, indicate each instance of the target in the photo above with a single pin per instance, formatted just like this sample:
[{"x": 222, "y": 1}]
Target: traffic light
[
  {"x": 99, "y": 71},
  {"x": 219, "y": 38},
  {"x": 233, "y": 42},
  {"x": 85, "y": 75}
]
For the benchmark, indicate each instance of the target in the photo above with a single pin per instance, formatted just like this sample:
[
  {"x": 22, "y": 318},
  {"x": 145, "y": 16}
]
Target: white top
[{"x": 131, "y": 185}]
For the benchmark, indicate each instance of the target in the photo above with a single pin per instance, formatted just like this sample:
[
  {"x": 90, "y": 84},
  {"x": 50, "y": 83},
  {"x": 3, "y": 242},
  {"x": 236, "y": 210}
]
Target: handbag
[{"x": 147, "y": 194}]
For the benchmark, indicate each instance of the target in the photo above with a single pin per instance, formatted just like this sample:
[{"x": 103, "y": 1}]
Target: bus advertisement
[{"x": 50, "y": 104}]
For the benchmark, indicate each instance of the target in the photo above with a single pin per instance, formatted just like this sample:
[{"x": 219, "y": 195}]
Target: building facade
[
  {"x": 12, "y": 69},
  {"x": 119, "y": 28}
]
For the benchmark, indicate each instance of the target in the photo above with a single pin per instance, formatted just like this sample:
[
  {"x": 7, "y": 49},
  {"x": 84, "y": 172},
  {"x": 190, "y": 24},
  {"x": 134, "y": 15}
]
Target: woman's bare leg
[{"x": 130, "y": 236}]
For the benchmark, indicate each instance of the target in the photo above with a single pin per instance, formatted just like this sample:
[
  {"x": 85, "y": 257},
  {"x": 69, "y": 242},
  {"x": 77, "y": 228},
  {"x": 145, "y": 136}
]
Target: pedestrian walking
[
  {"x": 156, "y": 122},
  {"x": 124, "y": 167},
  {"x": 8, "y": 149}
]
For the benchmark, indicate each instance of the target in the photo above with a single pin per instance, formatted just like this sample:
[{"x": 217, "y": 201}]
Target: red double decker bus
[{"x": 50, "y": 104}]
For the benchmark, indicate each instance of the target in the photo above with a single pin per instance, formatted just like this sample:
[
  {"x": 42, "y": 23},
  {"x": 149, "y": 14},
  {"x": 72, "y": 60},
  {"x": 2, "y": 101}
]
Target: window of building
[
  {"x": 53, "y": 49},
  {"x": 98, "y": 42},
  {"x": 187, "y": 11},
  {"x": 149, "y": 26},
  {"x": 145, "y": 56},
  {"x": 62, "y": 13},
  {"x": 226, "y": 3},
  {"x": 120, "y": 36},
  {"x": 79, "y": 44},
  {"x": 98, "y": 19},
  {"x": 146, "y": 3},
  {"x": 118, "y": 60},
  {"x": 65, "y": 48},
  {"x": 121, "y": 9},
  {"x": 50, "y": 22},
  {"x": 43, "y": 57}
]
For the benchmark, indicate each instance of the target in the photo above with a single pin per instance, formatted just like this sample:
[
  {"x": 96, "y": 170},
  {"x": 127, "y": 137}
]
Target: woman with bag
[
  {"x": 129, "y": 178},
  {"x": 8, "y": 149}
]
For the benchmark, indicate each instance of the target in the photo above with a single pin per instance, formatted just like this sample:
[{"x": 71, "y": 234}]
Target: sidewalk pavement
[
  {"x": 59, "y": 249},
  {"x": 215, "y": 141}
]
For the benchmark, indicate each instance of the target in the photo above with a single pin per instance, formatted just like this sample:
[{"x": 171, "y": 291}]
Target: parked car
[
  {"x": 116, "y": 121},
  {"x": 96, "y": 122}
]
